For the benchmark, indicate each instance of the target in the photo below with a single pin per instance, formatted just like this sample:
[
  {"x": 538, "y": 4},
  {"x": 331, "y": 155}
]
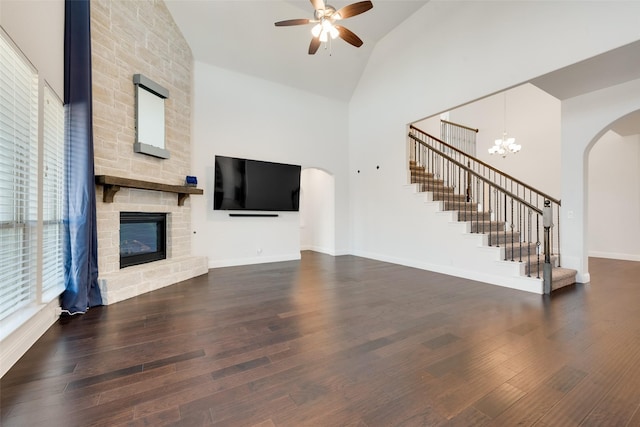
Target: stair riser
[
  {"x": 420, "y": 171},
  {"x": 427, "y": 180},
  {"x": 460, "y": 206},
  {"x": 495, "y": 239},
  {"x": 433, "y": 187},
  {"x": 422, "y": 177},
  {"x": 466, "y": 216},
  {"x": 533, "y": 266},
  {"x": 449, "y": 197},
  {"x": 557, "y": 283},
  {"x": 516, "y": 252},
  {"x": 486, "y": 227}
]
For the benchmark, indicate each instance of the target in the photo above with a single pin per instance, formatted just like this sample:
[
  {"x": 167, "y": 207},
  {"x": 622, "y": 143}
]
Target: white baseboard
[
  {"x": 526, "y": 284},
  {"x": 615, "y": 255},
  {"x": 252, "y": 260},
  {"x": 583, "y": 277},
  {"x": 319, "y": 249},
  {"x": 341, "y": 252}
]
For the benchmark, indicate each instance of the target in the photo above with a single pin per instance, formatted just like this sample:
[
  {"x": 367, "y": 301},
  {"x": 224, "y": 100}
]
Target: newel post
[{"x": 547, "y": 222}]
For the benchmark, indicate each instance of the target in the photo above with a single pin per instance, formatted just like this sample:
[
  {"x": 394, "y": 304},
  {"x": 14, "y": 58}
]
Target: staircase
[{"x": 506, "y": 212}]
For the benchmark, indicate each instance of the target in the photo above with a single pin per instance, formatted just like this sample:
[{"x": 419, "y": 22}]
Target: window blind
[
  {"x": 18, "y": 179},
  {"x": 53, "y": 185}
]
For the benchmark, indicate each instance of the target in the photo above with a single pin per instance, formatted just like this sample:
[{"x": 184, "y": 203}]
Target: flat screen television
[{"x": 253, "y": 185}]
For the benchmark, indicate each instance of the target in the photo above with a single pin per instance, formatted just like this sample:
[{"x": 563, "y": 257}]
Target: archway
[
  {"x": 614, "y": 192},
  {"x": 586, "y": 119},
  {"x": 317, "y": 211}
]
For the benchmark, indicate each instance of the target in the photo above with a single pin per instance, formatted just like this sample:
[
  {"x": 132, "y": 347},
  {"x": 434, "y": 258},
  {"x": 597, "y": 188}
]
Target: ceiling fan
[{"x": 325, "y": 17}]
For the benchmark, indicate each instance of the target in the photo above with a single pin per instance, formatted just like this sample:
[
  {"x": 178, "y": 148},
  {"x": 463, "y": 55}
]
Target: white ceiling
[
  {"x": 608, "y": 69},
  {"x": 240, "y": 35}
]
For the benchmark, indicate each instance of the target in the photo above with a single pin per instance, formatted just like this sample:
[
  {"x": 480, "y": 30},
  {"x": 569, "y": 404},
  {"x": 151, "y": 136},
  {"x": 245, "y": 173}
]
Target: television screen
[{"x": 243, "y": 184}]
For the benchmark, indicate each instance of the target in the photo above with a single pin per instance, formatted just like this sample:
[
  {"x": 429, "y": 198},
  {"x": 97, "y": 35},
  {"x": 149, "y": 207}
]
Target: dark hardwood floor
[{"x": 342, "y": 341}]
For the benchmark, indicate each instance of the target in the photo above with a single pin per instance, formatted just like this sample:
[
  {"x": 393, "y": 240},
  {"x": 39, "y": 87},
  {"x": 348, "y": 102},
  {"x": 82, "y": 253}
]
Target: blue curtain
[{"x": 80, "y": 237}]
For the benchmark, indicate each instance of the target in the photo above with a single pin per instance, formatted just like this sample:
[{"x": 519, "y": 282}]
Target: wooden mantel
[{"x": 112, "y": 185}]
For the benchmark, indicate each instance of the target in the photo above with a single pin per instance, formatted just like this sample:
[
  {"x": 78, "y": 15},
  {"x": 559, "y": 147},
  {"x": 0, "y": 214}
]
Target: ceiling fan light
[
  {"x": 334, "y": 32},
  {"x": 327, "y": 25},
  {"x": 315, "y": 31},
  {"x": 323, "y": 36}
]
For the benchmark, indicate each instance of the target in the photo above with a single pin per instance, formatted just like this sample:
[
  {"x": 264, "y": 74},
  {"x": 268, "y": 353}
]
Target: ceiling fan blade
[
  {"x": 349, "y": 36},
  {"x": 354, "y": 9},
  {"x": 315, "y": 44},
  {"x": 318, "y": 4},
  {"x": 289, "y": 22}
]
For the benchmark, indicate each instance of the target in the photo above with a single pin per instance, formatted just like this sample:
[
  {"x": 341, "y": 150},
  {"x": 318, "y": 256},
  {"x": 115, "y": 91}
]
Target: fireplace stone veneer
[{"x": 118, "y": 284}]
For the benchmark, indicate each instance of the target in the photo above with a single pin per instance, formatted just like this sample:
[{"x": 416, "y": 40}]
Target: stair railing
[
  {"x": 509, "y": 211},
  {"x": 460, "y": 136}
]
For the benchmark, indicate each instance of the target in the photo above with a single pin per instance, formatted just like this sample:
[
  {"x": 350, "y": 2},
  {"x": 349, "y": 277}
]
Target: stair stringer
[{"x": 471, "y": 257}]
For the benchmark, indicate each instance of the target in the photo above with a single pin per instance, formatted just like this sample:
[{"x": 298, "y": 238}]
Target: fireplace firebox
[{"x": 143, "y": 237}]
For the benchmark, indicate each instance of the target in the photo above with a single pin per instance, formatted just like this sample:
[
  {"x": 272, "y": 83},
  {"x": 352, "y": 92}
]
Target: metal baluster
[
  {"x": 512, "y": 230},
  {"x": 558, "y": 228},
  {"x": 538, "y": 243},
  {"x": 547, "y": 222},
  {"x": 483, "y": 206},
  {"x": 522, "y": 229},
  {"x": 529, "y": 229}
]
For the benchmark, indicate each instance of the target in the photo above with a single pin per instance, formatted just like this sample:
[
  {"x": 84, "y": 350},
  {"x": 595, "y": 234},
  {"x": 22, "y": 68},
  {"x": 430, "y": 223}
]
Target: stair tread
[
  {"x": 564, "y": 272},
  {"x": 561, "y": 277}
]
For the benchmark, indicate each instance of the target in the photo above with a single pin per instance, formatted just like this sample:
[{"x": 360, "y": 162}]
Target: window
[
  {"x": 27, "y": 273},
  {"x": 52, "y": 186}
]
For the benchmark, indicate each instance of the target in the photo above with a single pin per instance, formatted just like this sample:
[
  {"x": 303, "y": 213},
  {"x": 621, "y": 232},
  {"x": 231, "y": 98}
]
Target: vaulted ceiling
[{"x": 240, "y": 35}]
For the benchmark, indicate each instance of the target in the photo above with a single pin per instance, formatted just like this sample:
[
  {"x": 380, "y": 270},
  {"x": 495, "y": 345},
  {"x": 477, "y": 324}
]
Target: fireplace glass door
[{"x": 142, "y": 237}]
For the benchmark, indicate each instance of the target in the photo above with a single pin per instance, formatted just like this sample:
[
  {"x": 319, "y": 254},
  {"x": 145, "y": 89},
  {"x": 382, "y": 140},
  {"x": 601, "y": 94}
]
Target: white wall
[
  {"x": 242, "y": 116},
  {"x": 614, "y": 197},
  {"x": 533, "y": 118},
  {"x": 317, "y": 211},
  {"x": 443, "y": 56},
  {"x": 585, "y": 119}
]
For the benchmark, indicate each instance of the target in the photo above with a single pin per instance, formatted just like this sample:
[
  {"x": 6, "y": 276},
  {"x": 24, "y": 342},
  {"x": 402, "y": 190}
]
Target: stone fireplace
[
  {"x": 141, "y": 38},
  {"x": 118, "y": 283}
]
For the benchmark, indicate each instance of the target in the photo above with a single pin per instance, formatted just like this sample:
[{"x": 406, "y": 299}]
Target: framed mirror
[{"x": 150, "y": 138}]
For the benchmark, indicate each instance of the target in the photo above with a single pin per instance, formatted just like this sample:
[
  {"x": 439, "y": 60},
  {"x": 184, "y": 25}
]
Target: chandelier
[{"x": 505, "y": 145}]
